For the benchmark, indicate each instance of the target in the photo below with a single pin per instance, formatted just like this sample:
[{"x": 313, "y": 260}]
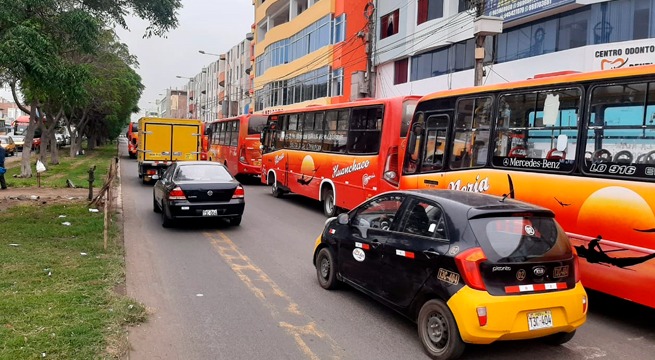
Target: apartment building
[
  {"x": 310, "y": 52},
  {"x": 429, "y": 45},
  {"x": 173, "y": 104},
  {"x": 235, "y": 96}
]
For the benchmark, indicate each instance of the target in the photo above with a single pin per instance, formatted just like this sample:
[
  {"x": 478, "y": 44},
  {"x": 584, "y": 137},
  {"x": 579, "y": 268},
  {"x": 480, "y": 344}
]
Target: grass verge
[
  {"x": 60, "y": 292},
  {"x": 74, "y": 168}
]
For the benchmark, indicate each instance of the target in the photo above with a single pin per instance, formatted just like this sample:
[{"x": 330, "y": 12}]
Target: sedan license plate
[
  {"x": 540, "y": 320},
  {"x": 211, "y": 212}
]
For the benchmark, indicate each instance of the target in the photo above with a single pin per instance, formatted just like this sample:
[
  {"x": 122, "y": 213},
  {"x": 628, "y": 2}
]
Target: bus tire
[
  {"x": 329, "y": 206},
  {"x": 275, "y": 190},
  {"x": 438, "y": 331}
]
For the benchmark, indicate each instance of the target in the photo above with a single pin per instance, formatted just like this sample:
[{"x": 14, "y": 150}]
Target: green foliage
[{"x": 64, "y": 59}]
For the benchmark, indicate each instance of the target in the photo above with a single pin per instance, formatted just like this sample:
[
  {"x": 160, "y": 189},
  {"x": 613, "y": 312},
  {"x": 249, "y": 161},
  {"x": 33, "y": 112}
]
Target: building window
[
  {"x": 339, "y": 29},
  {"x": 389, "y": 24},
  {"x": 337, "y": 82},
  {"x": 401, "y": 67},
  {"x": 429, "y": 10}
]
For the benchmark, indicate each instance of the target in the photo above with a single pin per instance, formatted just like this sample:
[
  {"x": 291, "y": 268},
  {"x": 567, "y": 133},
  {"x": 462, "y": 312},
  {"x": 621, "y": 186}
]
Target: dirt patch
[{"x": 41, "y": 196}]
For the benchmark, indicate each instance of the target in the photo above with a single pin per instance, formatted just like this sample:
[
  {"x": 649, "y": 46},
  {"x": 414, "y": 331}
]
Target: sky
[{"x": 214, "y": 26}]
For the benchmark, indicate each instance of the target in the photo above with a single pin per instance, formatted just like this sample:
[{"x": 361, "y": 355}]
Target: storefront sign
[
  {"x": 516, "y": 9},
  {"x": 626, "y": 54}
]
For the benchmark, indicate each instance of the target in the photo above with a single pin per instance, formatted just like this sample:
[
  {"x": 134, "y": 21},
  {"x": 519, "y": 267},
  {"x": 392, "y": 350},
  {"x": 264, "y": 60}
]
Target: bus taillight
[
  {"x": 391, "y": 166},
  {"x": 242, "y": 156}
]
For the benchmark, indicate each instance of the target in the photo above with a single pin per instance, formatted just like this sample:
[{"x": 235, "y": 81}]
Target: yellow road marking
[{"x": 276, "y": 300}]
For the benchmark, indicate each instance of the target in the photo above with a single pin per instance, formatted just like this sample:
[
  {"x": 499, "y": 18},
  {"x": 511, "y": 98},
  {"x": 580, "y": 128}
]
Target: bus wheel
[
  {"x": 275, "y": 190},
  {"x": 329, "y": 208}
]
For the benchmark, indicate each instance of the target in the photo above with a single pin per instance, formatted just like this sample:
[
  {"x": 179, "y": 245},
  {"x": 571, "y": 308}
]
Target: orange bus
[
  {"x": 582, "y": 145},
  {"x": 339, "y": 154},
  {"x": 132, "y": 136},
  {"x": 234, "y": 142}
]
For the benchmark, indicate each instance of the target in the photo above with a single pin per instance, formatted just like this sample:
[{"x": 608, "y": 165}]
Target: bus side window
[{"x": 471, "y": 132}]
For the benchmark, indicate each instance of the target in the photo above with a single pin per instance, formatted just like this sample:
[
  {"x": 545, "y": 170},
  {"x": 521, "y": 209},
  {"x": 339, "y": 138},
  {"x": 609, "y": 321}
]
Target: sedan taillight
[
  {"x": 239, "y": 193},
  {"x": 176, "y": 194}
]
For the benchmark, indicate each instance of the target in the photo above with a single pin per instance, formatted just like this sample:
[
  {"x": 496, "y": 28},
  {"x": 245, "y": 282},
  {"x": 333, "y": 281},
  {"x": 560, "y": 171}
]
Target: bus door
[
  {"x": 434, "y": 149},
  {"x": 426, "y": 150}
]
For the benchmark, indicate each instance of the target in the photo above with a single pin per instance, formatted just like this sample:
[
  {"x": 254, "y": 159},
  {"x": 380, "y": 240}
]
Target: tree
[{"x": 39, "y": 43}]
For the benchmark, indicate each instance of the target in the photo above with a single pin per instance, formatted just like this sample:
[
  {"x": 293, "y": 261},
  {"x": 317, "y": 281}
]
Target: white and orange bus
[
  {"x": 582, "y": 145},
  {"x": 234, "y": 142},
  {"x": 339, "y": 154}
]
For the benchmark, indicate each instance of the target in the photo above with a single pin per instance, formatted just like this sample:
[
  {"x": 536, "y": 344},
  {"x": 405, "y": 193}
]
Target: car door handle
[
  {"x": 430, "y": 253},
  {"x": 375, "y": 244}
]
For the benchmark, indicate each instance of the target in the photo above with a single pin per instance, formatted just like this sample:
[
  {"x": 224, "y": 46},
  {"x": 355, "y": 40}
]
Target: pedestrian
[{"x": 3, "y": 183}]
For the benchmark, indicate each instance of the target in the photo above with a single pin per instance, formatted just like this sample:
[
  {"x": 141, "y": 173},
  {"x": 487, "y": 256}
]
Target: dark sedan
[
  {"x": 467, "y": 267},
  {"x": 198, "y": 189}
]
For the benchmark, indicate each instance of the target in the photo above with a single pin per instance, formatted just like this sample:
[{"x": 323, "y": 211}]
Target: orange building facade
[{"x": 309, "y": 52}]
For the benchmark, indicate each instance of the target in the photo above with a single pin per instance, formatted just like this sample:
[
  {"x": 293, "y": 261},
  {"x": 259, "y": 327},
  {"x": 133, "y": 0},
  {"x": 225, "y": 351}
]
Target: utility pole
[
  {"x": 483, "y": 26},
  {"x": 369, "y": 13}
]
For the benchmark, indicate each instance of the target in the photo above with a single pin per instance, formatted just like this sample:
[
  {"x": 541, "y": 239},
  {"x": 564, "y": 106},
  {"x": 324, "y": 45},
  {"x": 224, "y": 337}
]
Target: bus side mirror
[{"x": 562, "y": 142}]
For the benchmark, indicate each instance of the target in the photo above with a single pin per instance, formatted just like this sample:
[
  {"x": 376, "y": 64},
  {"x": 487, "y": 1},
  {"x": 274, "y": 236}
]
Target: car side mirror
[{"x": 343, "y": 219}]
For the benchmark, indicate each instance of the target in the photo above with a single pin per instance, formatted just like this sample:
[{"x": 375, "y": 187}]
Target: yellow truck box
[{"x": 162, "y": 141}]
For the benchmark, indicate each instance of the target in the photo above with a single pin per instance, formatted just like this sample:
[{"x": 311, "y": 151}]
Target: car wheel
[
  {"x": 166, "y": 221},
  {"x": 438, "y": 331},
  {"x": 235, "y": 221},
  {"x": 326, "y": 269},
  {"x": 275, "y": 190},
  {"x": 559, "y": 338},
  {"x": 155, "y": 206},
  {"x": 329, "y": 208}
]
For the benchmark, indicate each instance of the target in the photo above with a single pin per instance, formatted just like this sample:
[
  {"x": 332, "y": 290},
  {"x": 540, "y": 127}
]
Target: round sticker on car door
[{"x": 359, "y": 254}]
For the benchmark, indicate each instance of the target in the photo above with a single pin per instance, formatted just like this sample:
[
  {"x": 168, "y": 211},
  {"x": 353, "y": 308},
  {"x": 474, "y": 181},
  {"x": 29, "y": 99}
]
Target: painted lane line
[{"x": 307, "y": 335}]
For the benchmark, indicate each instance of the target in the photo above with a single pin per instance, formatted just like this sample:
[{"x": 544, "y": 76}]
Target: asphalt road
[{"x": 250, "y": 292}]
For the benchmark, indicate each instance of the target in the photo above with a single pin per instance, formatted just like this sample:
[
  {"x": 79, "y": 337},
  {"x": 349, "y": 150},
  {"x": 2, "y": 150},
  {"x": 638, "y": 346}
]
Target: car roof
[
  {"x": 186, "y": 163},
  {"x": 470, "y": 204}
]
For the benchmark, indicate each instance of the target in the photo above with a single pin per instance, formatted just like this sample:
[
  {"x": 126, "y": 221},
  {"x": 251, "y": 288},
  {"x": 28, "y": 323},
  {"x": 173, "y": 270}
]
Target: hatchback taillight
[
  {"x": 468, "y": 263},
  {"x": 239, "y": 193},
  {"x": 176, "y": 194}
]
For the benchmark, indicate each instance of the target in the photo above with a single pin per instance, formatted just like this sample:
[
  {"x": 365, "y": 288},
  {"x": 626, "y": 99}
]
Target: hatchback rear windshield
[
  {"x": 202, "y": 173},
  {"x": 518, "y": 238}
]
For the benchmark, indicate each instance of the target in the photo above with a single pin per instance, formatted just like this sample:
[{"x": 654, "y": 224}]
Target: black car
[
  {"x": 198, "y": 189},
  {"x": 467, "y": 267}
]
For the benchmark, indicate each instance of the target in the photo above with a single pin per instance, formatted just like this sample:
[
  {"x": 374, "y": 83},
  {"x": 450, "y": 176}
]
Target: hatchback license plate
[
  {"x": 212, "y": 212},
  {"x": 540, "y": 320}
]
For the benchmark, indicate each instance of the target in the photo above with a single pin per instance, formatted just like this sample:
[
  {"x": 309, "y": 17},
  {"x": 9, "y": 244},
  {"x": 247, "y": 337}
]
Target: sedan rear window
[
  {"x": 202, "y": 173},
  {"x": 518, "y": 238}
]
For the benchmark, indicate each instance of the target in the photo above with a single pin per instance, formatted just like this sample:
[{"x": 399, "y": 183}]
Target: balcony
[{"x": 221, "y": 78}]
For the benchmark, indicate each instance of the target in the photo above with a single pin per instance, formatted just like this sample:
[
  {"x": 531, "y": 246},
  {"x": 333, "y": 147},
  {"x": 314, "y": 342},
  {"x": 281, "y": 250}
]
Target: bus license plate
[
  {"x": 540, "y": 320},
  {"x": 212, "y": 212}
]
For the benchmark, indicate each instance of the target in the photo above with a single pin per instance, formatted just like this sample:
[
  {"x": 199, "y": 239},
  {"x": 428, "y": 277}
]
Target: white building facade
[{"x": 429, "y": 45}]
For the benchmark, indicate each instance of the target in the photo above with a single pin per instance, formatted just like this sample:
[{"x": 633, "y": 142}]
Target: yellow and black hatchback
[{"x": 466, "y": 267}]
